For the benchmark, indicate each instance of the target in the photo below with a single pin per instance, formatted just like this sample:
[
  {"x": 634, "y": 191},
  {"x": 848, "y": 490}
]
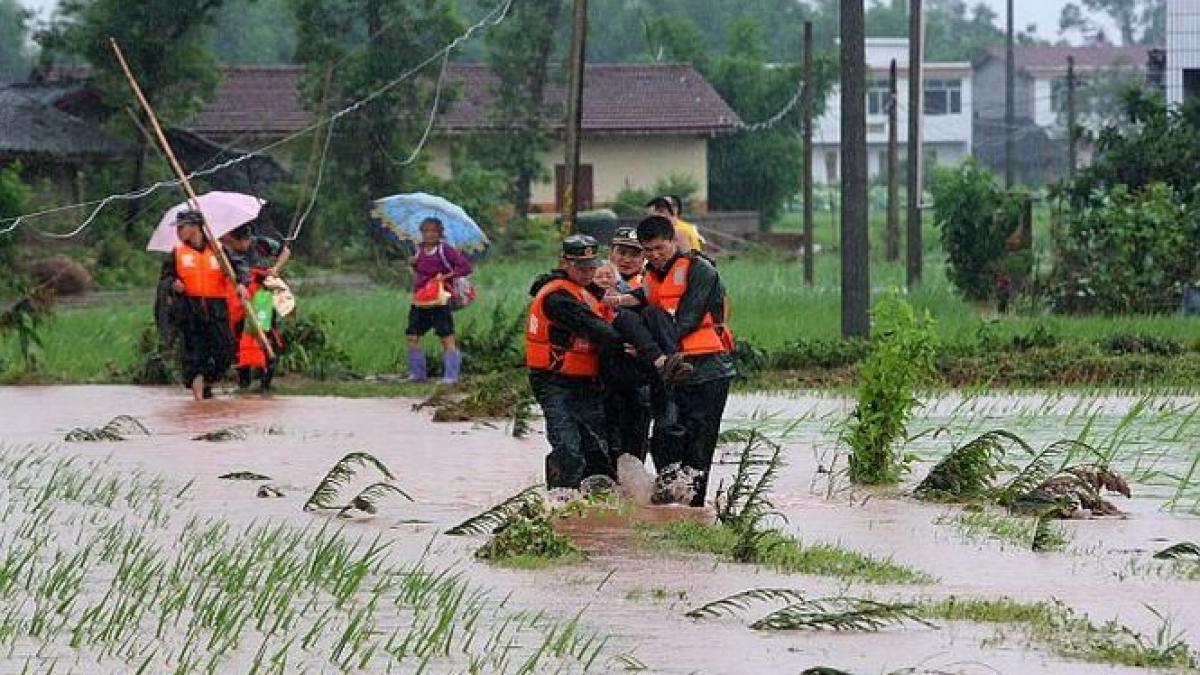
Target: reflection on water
[{"x": 455, "y": 470}]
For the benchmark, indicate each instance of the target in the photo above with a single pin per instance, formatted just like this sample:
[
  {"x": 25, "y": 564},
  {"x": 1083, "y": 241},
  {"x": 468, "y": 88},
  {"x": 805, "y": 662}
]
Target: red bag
[{"x": 432, "y": 294}]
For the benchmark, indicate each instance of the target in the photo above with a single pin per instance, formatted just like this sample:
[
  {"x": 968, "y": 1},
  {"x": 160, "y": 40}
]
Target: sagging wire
[
  {"x": 742, "y": 127},
  {"x": 493, "y": 18},
  {"x": 312, "y": 201}
]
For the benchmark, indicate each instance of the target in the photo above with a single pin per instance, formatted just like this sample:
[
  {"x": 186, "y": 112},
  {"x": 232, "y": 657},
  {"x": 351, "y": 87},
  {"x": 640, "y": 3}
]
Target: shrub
[
  {"x": 308, "y": 349},
  {"x": 62, "y": 274},
  {"x": 1126, "y": 252},
  {"x": 976, "y": 219},
  {"x": 901, "y": 358}
]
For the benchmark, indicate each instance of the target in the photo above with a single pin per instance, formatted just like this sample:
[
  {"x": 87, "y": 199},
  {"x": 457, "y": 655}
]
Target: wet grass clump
[
  {"x": 115, "y": 430},
  {"x": 784, "y": 553},
  {"x": 981, "y": 524},
  {"x": 529, "y": 541},
  {"x": 1071, "y": 634}
]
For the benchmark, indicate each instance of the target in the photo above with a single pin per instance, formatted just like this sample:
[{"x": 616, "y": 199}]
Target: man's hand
[{"x": 612, "y": 300}]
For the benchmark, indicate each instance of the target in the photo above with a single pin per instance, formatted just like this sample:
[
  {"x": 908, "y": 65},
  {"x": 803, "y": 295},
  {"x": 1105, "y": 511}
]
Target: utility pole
[
  {"x": 856, "y": 280},
  {"x": 574, "y": 120},
  {"x": 892, "y": 232},
  {"x": 1072, "y": 157},
  {"x": 1010, "y": 103},
  {"x": 916, "y": 110},
  {"x": 807, "y": 177}
]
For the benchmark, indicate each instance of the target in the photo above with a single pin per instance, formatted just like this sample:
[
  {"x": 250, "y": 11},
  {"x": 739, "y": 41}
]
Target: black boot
[{"x": 243, "y": 373}]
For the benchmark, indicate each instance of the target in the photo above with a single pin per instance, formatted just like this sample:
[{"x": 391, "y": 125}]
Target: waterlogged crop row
[{"x": 106, "y": 569}]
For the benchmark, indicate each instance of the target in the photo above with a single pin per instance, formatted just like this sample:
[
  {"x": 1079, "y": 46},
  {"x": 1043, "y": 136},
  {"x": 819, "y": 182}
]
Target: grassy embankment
[{"x": 793, "y": 328}]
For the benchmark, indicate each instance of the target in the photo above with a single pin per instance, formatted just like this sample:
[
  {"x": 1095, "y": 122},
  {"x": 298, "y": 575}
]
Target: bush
[
  {"x": 902, "y": 358},
  {"x": 61, "y": 274},
  {"x": 309, "y": 351},
  {"x": 976, "y": 219},
  {"x": 1127, "y": 252}
]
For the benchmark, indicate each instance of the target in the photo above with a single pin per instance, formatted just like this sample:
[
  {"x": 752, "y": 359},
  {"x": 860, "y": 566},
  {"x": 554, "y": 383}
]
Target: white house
[
  {"x": 947, "y": 131},
  {"x": 1183, "y": 50}
]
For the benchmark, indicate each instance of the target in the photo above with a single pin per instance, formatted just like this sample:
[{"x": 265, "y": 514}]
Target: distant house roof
[
  {"x": 1053, "y": 60},
  {"x": 31, "y": 128},
  {"x": 618, "y": 99}
]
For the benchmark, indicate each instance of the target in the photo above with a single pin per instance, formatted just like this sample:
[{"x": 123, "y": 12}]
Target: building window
[
  {"x": 943, "y": 97},
  {"x": 877, "y": 97},
  {"x": 1191, "y": 83},
  {"x": 831, "y": 166}
]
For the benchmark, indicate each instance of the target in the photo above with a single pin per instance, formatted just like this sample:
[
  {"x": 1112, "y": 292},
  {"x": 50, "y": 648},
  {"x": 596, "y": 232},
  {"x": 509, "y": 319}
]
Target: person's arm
[
  {"x": 460, "y": 264},
  {"x": 568, "y": 312},
  {"x": 171, "y": 275},
  {"x": 703, "y": 285},
  {"x": 285, "y": 254}
]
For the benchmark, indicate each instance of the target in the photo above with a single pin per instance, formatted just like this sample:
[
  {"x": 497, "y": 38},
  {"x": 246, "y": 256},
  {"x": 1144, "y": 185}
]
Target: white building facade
[
  {"x": 1183, "y": 50},
  {"x": 947, "y": 119}
]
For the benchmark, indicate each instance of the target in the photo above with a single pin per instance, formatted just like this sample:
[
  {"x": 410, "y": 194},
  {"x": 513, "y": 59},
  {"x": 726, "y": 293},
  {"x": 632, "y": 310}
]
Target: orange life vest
[
  {"x": 200, "y": 272},
  {"x": 579, "y": 358},
  {"x": 667, "y": 293},
  {"x": 636, "y": 281}
]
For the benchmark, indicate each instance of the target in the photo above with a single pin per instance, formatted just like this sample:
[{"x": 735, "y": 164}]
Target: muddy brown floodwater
[{"x": 639, "y": 596}]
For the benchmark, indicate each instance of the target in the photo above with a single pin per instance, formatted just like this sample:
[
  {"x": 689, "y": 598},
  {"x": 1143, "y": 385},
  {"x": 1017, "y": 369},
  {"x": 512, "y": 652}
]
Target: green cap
[{"x": 581, "y": 250}]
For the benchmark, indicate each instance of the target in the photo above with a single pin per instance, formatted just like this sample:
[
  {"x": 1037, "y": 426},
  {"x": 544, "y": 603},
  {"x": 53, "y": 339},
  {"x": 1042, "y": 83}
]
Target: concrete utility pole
[
  {"x": 856, "y": 280},
  {"x": 892, "y": 232},
  {"x": 1010, "y": 103},
  {"x": 574, "y": 120},
  {"x": 807, "y": 177},
  {"x": 916, "y": 110},
  {"x": 1072, "y": 157}
]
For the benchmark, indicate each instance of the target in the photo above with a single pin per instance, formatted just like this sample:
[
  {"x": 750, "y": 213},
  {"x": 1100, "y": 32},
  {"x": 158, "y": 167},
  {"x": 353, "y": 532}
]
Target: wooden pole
[
  {"x": 574, "y": 122},
  {"x": 1010, "y": 104},
  {"x": 892, "y": 231},
  {"x": 1072, "y": 149},
  {"x": 856, "y": 281},
  {"x": 807, "y": 99},
  {"x": 916, "y": 111},
  {"x": 193, "y": 200}
]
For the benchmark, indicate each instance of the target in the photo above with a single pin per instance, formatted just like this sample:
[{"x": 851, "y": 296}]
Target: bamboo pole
[{"x": 222, "y": 259}]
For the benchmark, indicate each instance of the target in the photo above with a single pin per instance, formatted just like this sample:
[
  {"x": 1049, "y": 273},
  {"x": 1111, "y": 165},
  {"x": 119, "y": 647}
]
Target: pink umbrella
[{"x": 224, "y": 211}]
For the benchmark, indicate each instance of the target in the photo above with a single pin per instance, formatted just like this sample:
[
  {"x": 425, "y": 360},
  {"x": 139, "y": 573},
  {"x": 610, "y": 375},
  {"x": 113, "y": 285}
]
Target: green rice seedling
[
  {"x": 840, "y": 614},
  {"x": 326, "y": 492},
  {"x": 498, "y": 515},
  {"x": 233, "y": 433},
  {"x": 741, "y": 602},
  {"x": 968, "y": 471},
  {"x": 1184, "y": 550},
  {"x": 115, "y": 430},
  {"x": 243, "y": 475},
  {"x": 1047, "y": 537}
]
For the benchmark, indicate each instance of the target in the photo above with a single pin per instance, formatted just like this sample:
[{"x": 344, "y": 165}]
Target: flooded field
[{"x": 136, "y": 556}]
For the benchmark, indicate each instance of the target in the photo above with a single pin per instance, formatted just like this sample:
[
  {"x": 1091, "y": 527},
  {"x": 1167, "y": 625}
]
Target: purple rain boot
[
  {"x": 416, "y": 365},
  {"x": 452, "y": 362}
]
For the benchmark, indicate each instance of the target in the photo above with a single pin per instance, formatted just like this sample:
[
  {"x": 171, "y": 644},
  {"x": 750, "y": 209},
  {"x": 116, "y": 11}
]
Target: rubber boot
[
  {"x": 416, "y": 365},
  {"x": 452, "y": 363}
]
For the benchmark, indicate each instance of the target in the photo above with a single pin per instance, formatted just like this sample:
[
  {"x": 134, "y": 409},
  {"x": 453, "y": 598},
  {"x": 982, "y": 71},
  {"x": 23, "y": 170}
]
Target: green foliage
[
  {"x": 1183, "y": 550},
  {"x": 901, "y": 359},
  {"x": 115, "y": 429},
  {"x": 494, "y": 344},
  {"x": 968, "y": 470},
  {"x": 310, "y": 351},
  {"x": 631, "y": 201},
  {"x": 15, "y": 21},
  {"x": 255, "y": 32},
  {"x": 975, "y": 219},
  {"x": 531, "y": 535},
  {"x": 498, "y": 515},
  {"x": 13, "y": 197},
  {"x": 25, "y": 320},
  {"x": 339, "y": 475},
  {"x": 1127, "y": 252}
]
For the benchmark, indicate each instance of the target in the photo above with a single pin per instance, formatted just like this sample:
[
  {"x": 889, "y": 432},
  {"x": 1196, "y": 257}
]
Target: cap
[
  {"x": 580, "y": 250},
  {"x": 189, "y": 217},
  {"x": 626, "y": 236}
]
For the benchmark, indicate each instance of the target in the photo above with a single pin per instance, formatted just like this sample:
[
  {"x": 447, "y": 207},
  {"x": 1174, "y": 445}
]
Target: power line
[{"x": 493, "y": 18}]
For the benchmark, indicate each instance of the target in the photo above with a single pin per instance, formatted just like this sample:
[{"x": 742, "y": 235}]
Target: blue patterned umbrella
[{"x": 400, "y": 218}]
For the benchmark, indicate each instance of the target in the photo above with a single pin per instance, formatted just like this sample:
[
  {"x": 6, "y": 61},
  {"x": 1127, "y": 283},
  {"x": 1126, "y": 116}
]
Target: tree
[
  {"x": 371, "y": 43},
  {"x": 1140, "y": 21},
  {"x": 166, "y": 43},
  {"x": 759, "y": 170},
  {"x": 14, "y": 38},
  {"x": 255, "y": 32},
  {"x": 518, "y": 52}
]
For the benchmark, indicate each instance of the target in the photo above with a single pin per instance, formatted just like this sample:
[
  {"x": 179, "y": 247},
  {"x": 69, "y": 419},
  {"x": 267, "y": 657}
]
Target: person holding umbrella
[
  {"x": 194, "y": 272},
  {"x": 435, "y": 267}
]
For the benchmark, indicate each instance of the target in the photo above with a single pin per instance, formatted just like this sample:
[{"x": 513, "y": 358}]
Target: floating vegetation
[
  {"x": 234, "y": 433},
  {"x": 969, "y": 470},
  {"x": 367, "y": 501},
  {"x": 1037, "y": 534},
  {"x": 499, "y": 395},
  {"x": 839, "y": 613},
  {"x": 1184, "y": 550},
  {"x": 268, "y": 492},
  {"x": 243, "y": 475},
  {"x": 529, "y": 540},
  {"x": 499, "y": 515},
  {"x": 325, "y": 495},
  {"x": 116, "y": 430},
  {"x": 1075, "y": 492}
]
